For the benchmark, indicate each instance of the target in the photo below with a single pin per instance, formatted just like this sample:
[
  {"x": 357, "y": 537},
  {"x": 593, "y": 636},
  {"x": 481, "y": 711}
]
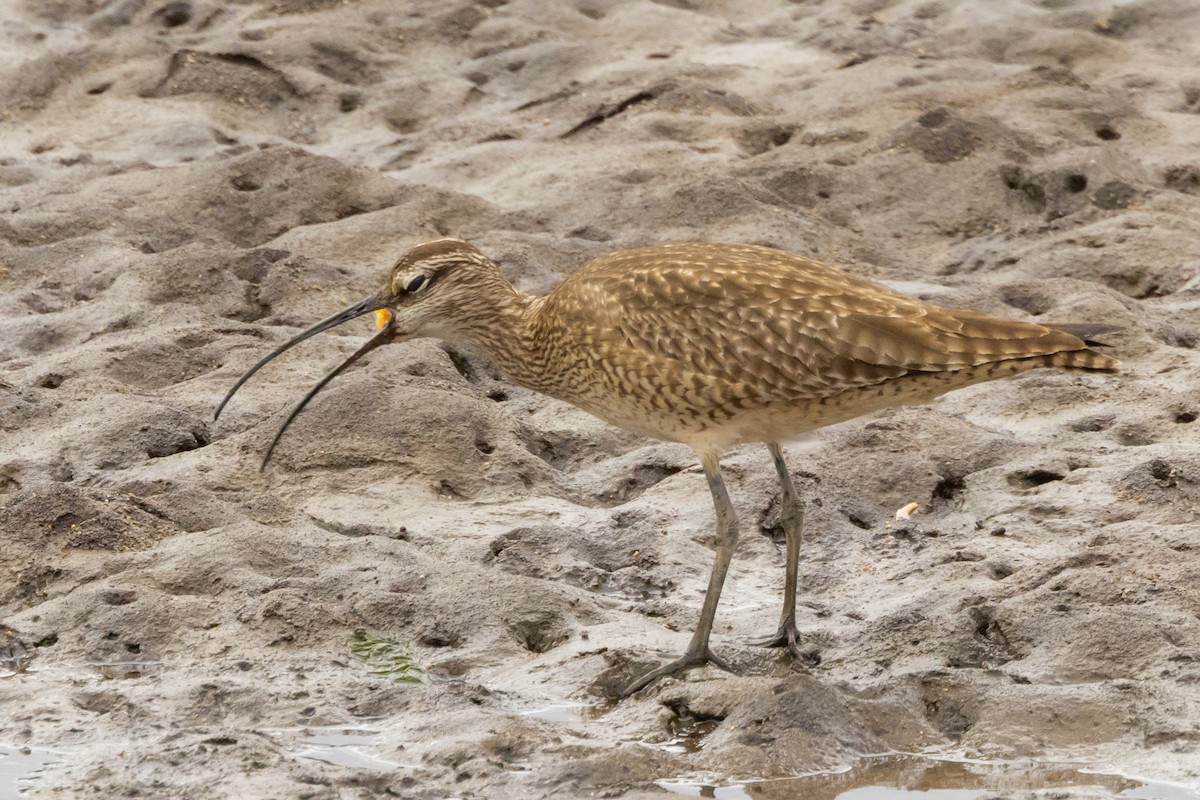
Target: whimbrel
[{"x": 711, "y": 345}]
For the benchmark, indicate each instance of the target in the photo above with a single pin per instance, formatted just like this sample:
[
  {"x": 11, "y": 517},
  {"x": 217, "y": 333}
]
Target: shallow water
[
  {"x": 343, "y": 746},
  {"x": 909, "y": 777},
  {"x": 688, "y": 735},
  {"x": 560, "y": 712},
  {"x": 19, "y": 766}
]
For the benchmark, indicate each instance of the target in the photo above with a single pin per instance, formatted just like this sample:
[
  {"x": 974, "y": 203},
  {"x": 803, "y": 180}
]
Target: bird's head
[{"x": 434, "y": 289}]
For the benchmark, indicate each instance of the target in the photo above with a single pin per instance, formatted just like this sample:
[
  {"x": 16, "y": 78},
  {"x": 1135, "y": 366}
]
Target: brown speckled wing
[{"x": 785, "y": 325}]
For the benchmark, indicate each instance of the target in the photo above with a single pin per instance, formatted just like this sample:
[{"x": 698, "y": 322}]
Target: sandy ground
[{"x": 185, "y": 184}]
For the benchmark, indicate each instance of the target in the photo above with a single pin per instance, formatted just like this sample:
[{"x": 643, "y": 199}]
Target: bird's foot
[
  {"x": 689, "y": 660},
  {"x": 787, "y": 636}
]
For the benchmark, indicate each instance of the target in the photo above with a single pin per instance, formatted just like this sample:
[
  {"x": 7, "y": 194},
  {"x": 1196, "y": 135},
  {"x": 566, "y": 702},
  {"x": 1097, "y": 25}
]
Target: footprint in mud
[
  {"x": 644, "y": 476},
  {"x": 611, "y": 565},
  {"x": 233, "y": 77},
  {"x": 539, "y": 630},
  {"x": 1055, "y": 192},
  {"x": 1166, "y": 487},
  {"x": 151, "y": 364},
  {"x": 620, "y": 480}
]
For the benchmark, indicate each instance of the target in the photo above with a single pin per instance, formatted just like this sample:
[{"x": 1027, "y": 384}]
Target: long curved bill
[
  {"x": 373, "y": 303},
  {"x": 385, "y": 335}
]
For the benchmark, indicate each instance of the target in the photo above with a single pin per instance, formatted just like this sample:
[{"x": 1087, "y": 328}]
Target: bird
[{"x": 709, "y": 345}]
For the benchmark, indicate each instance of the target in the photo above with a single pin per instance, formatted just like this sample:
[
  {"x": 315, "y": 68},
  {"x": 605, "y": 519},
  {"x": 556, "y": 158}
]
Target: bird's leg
[
  {"x": 698, "y": 652},
  {"x": 791, "y": 514}
]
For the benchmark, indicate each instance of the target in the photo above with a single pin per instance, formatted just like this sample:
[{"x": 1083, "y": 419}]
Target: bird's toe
[{"x": 688, "y": 660}]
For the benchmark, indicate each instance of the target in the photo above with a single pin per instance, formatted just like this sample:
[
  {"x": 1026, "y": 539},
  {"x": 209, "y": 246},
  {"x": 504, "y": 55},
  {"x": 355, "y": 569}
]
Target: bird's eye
[{"x": 413, "y": 282}]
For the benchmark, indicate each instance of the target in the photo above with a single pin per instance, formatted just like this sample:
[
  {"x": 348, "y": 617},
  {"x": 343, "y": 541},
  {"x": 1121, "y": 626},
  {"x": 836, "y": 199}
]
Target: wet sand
[{"x": 184, "y": 185}]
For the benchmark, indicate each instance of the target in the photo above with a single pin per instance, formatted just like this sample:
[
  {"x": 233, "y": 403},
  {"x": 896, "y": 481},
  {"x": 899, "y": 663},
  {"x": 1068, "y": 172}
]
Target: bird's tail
[
  {"x": 1087, "y": 360},
  {"x": 1084, "y": 359}
]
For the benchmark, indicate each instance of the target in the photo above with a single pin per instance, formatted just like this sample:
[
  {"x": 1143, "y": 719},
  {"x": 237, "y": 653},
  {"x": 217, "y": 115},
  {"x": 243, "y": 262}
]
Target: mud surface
[{"x": 184, "y": 184}]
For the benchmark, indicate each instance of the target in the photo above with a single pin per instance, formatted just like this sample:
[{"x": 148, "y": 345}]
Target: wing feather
[{"x": 782, "y": 326}]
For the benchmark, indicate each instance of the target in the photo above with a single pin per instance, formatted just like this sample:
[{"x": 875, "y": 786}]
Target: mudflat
[{"x": 442, "y": 581}]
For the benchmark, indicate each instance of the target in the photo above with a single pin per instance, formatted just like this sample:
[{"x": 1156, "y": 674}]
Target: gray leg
[
  {"x": 791, "y": 514},
  {"x": 698, "y": 652}
]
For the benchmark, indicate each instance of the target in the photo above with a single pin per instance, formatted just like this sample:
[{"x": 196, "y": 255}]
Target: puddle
[
  {"x": 566, "y": 712},
  {"x": 341, "y": 746},
  {"x": 20, "y": 768},
  {"x": 86, "y": 671},
  {"x": 14, "y": 658},
  {"x": 918, "y": 778},
  {"x": 687, "y": 735},
  {"x": 686, "y": 730},
  {"x": 558, "y": 712},
  {"x": 127, "y": 670}
]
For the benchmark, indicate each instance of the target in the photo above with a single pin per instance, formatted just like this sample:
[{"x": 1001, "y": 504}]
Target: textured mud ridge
[{"x": 183, "y": 184}]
